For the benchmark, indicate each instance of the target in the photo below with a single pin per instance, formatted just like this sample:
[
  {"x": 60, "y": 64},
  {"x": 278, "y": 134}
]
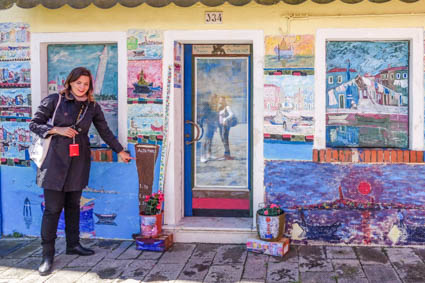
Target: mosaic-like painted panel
[
  {"x": 15, "y": 103},
  {"x": 367, "y": 93}
]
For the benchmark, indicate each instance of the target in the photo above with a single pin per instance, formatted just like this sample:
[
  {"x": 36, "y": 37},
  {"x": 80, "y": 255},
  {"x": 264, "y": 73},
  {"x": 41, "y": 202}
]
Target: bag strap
[{"x": 56, "y": 109}]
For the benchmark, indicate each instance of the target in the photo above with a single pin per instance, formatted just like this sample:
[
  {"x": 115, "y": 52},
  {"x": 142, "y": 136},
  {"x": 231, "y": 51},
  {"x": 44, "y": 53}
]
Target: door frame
[{"x": 174, "y": 182}]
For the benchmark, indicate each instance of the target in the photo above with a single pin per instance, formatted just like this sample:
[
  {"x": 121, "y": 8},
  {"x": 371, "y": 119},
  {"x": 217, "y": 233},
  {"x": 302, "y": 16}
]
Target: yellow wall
[{"x": 303, "y": 19}]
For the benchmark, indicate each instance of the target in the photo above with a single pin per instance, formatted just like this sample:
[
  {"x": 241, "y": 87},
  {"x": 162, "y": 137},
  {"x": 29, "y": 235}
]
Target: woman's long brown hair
[{"x": 73, "y": 76}]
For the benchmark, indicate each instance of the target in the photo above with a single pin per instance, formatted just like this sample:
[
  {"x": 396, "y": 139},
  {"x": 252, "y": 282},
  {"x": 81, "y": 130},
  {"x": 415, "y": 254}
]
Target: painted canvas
[
  {"x": 15, "y": 139},
  {"x": 144, "y": 44},
  {"x": 145, "y": 119},
  {"x": 288, "y": 104},
  {"x": 14, "y": 42},
  {"x": 222, "y": 99},
  {"x": 367, "y": 93},
  {"x": 15, "y": 103},
  {"x": 292, "y": 51},
  {"x": 15, "y": 74},
  {"x": 102, "y": 61},
  {"x": 144, "y": 79},
  {"x": 350, "y": 203}
]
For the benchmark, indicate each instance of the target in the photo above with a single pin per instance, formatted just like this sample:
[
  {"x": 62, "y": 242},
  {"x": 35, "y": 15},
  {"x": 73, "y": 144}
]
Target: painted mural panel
[
  {"x": 367, "y": 92},
  {"x": 144, "y": 44},
  {"x": 14, "y": 74},
  {"x": 14, "y": 42},
  {"x": 15, "y": 103},
  {"x": 292, "y": 51},
  {"x": 288, "y": 104},
  {"x": 145, "y": 119},
  {"x": 14, "y": 139},
  {"x": 222, "y": 99},
  {"x": 144, "y": 80},
  {"x": 353, "y": 203},
  {"x": 102, "y": 61}
]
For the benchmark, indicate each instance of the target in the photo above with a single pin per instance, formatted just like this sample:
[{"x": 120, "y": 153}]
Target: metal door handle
[{"x": 198, "y": 134}]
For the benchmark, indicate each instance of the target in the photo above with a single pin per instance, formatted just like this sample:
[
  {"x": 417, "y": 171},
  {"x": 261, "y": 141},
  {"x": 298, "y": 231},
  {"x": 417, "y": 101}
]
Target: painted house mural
[{"x": 367, "y": 93}]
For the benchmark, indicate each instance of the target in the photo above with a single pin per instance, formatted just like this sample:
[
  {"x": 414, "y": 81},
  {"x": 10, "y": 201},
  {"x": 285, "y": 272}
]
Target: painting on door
[{"x": 221, "y": 99}]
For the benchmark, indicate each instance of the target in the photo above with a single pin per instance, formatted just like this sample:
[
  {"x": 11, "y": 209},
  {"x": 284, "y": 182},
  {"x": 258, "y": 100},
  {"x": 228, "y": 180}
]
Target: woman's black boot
[
  {"x": 79, "y": 250},
  {"x": 46, "y": 265}
]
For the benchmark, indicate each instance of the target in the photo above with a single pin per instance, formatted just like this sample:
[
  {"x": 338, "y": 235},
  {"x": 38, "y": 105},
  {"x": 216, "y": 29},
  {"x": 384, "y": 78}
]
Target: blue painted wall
[{"x": 113, "y": 189}]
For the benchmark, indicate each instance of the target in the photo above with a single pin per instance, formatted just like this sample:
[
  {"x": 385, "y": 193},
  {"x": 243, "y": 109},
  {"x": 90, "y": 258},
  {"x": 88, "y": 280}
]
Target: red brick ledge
[{"x": 367, "y": 155}]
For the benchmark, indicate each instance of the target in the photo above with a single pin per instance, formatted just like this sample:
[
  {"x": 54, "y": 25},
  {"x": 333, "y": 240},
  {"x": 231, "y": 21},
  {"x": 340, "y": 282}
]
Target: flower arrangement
[
  {"x": 152, "y": 204},
  {"x": 270, "y": 210}
]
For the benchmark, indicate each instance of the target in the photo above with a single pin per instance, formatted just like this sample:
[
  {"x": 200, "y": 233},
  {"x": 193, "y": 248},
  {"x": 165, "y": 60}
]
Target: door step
[{"x": 223, "y": 230}]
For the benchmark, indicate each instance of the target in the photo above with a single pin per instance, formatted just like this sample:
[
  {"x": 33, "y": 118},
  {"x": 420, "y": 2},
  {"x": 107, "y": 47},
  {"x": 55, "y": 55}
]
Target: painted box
[
  {"x": 278, "y": 248},
  {"x": 159, "y": 244}
]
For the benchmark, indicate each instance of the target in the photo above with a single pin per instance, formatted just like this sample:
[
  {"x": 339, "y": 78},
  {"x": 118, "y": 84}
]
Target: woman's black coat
[{"x": 59, "y": 171}]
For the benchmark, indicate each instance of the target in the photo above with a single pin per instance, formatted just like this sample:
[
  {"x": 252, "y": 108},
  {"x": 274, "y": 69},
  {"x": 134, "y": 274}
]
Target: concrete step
[{"x": 225, "y": 230}]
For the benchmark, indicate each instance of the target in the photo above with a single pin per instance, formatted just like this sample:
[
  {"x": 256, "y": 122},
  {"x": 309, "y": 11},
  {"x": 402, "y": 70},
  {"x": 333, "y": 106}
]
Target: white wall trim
[
  {"x": 174, "y": 186},
  {"x": 39, "y": 42},
  {"x": 416, "y": 88}
]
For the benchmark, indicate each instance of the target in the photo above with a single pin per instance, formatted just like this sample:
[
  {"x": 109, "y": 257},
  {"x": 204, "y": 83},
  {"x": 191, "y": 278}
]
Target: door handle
[{"x": 199, "y": 132}]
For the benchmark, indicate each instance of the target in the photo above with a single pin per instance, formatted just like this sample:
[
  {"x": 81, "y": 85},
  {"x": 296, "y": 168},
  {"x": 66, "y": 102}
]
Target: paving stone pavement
[{"x": 119, "y": 261}]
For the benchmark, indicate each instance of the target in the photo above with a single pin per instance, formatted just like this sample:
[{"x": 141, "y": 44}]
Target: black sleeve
[
  {"x": 103, "y": 129},
  {"x": 38, "y": 123}
]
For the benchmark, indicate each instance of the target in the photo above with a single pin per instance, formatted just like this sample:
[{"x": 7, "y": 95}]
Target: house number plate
[{"x": 213, "y": 17}]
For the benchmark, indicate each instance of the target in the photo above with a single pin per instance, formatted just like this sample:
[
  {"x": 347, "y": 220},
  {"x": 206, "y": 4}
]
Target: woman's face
[{"x": 80, "y": 86}]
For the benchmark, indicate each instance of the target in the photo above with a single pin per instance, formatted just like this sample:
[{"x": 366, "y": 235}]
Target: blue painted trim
[{"x": 188, "y": 178}]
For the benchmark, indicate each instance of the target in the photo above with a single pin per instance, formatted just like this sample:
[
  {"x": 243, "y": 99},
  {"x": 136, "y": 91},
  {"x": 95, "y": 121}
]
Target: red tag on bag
[{"x": 74, "y": 150}]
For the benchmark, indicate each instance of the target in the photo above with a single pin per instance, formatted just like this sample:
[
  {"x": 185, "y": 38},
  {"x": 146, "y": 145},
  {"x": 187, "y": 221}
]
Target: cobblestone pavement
[{"x": 119, "y": 261}]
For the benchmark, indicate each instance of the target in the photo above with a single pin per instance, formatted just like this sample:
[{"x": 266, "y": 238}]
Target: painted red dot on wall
[{"x": 364, "y": 188}]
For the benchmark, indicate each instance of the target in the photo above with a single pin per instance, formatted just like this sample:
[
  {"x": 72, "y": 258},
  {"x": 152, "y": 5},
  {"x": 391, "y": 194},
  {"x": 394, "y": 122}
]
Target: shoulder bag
[{"x": 39, "y": 146}]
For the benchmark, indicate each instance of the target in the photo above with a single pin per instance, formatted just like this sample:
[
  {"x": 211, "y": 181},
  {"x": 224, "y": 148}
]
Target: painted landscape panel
[
  {"x": 292, "y": 51},
  {"x": 145, "y": 119},
  {"x": 367, "y": 93},
  {"x": 102, "y": 61},
  {"x": 144, "y": 79},
  {"x": 15, "y": 139},
  {"x": 144, "y": 44},
  {"x": 15, "y": 103},
  {"x": 14, "y": 42},
  {"x": 288, "y": 104}
]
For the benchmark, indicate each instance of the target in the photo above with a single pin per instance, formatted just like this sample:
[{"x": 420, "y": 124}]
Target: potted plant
[
  {"x": 151, "y": 217},
  {"x": 270, "y": 222}
]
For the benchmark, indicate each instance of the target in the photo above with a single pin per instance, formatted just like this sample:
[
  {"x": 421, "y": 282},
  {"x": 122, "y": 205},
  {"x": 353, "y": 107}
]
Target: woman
[
  {"x": 227, "y": 119},
  {"x": 62, "y": 176}
]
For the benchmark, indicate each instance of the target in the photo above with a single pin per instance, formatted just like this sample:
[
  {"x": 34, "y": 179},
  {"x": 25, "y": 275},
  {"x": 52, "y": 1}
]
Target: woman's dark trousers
[{"x": 54, "y": 203}]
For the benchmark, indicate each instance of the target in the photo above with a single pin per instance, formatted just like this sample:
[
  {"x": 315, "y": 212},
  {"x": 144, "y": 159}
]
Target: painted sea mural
[
  {"x": 15, "y": 103},
  {"x": 102, "y": 61},
  {"x": 352, "y": 203},
  {"x": 367, "y": 93}
]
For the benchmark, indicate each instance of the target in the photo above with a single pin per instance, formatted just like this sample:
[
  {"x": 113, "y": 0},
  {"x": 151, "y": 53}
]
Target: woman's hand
[
  {"x": 125, "y": 156},
  {"x": 63, "y": 131}
]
